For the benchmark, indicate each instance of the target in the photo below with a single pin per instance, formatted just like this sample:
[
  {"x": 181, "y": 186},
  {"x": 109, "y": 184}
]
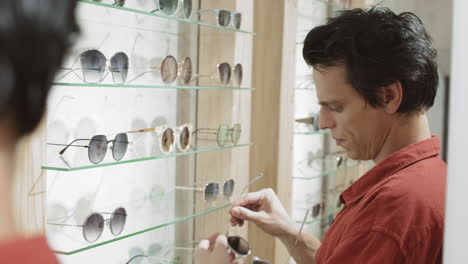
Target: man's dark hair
[
  {"x": 378, "y": 48},
  {"x": 34, "y": 37}
]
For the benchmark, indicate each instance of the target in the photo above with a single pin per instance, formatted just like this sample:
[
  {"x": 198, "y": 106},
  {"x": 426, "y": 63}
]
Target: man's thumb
[{"x": 244, "y": 214}]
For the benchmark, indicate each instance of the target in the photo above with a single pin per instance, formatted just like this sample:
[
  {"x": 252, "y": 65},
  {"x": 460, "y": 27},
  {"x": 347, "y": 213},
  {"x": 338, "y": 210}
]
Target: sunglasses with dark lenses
[
  {"x": 224, "y": 74},
  {"x": 98, "y": 145},
  {"x": 211, "y": 191},
  {"x": 170, "y": 137},
  {"x": 224, "y": 17},
  {"x": 93, "y": 225},
  {"x": 224, "y": 134},
  {"x": 167, "y": 7},
  {"x": 239, "y": 246},
  {"x": 95, "y": 67},
  {"x": 317, "y": 209}
]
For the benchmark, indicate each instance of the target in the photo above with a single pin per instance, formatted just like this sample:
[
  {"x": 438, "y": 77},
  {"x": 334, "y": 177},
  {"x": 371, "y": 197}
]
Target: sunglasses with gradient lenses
[
  {"x": 93, "y": 225},
  {"x": 94, "y": 67},
  {"x": 170, "y": 137},
  {"x": 98, "y": 145},
  {"x": 170, "y": 69},
  {"x": 224, "y": 74},
  {"x": 211, "y": 191},
  {"x": 239, "y": 246},
  {"x": 224, "y": 17}
]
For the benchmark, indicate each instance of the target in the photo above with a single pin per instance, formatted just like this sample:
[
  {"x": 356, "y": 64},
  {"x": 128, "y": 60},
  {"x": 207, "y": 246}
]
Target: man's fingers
[
  {"x": 202, "y": 252},
  {"x": 212, "y": 240},
  {"x": 220, "y": 252},
  {"x": 242, "y": 213},
  {"x": 250, "y": 198}
]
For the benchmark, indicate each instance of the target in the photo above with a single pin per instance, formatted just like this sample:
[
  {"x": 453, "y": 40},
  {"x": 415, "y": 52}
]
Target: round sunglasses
[
  {"x": 223, "y": 133},
  {"x": 98, "y": 145},
  {"x": 93, "y": 225},
  {"x": 224, "y": 17}
]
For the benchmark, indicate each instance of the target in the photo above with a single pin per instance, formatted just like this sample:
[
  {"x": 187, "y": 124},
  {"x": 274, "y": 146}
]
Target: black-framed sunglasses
[
  {"x": 93, "y": 225},
  {"x": 98, "y": 145}
]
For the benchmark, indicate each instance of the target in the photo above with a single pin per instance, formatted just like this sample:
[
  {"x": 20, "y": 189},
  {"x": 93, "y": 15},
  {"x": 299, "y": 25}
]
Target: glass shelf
[
  {"x": 164, "y": 16},
  {"x": 149, "y": 86},
  {"x": 61, "y": 164},
  {"x": 132, "y": 222},
  {"x": 320, "y": 132}
]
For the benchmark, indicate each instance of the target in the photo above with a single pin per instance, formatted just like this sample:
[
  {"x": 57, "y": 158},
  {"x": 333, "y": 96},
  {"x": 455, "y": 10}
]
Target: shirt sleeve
[
  {"x": 27, "y": 251},
  {"x": 368, "y": 247}
]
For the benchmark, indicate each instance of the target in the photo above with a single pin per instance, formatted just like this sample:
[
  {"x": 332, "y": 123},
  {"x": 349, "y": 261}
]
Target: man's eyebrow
[{"x": 328, "y": 102}]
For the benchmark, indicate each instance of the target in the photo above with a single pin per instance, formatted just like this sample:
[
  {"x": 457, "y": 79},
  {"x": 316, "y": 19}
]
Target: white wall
[{"x": 456, "y": 228}]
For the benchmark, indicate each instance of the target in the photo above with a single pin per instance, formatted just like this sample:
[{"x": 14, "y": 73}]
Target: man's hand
[
  {"x": 264, "y": 209},
  {"x": 214, "y": 251}
]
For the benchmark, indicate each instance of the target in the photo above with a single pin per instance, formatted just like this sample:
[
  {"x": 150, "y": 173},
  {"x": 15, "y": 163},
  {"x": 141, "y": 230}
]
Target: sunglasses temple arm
[
  {"x": 142, "y": 130},
  {"x": 189, "y": 188},
  {"x": 138, "y": 76},
  {"x": 298, "y": 236},
  {"x": 64, "y": 224},
  {"x": 70, "y": 145},
  {"x": 256, "y": 178}
]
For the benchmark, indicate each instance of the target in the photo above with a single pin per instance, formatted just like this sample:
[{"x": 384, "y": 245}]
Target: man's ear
[{"x": 392, "y": 95}]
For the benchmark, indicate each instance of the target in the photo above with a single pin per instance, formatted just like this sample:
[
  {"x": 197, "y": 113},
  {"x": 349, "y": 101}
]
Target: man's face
[{"x": 355, "y": 126}]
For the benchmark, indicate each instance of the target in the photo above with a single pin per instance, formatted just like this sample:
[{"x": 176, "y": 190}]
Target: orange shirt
[
  {"x": 26, "y": 251},
  {"x": 392, "y": 214}
]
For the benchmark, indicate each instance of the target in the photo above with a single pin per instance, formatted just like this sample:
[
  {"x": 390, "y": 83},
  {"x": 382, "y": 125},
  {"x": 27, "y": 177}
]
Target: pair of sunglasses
[
  {"x": 167, "y": 7},
  {"x": 224, "y": 134},
  {"x": 225, "y": 73},
  {"x": 95, "y": 67},
  {"x": 98, "y": 145},
  {"x": 170, "y": 137},
  {"x": 211, "y": 191},
  {"x": 224, "y": 17},
  {"x": 93, "y": 225}
]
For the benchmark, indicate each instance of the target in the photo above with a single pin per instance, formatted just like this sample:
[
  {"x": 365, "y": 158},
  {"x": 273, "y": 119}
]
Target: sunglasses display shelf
[{"x": 106, "y": 122}]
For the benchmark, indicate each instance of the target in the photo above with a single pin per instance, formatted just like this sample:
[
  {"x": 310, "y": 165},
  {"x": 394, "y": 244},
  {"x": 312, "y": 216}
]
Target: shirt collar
[{"x": 390, "y": 165}]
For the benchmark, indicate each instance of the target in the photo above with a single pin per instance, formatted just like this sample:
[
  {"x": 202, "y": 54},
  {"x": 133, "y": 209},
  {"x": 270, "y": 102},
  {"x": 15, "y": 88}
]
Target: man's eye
[{"x": 336, "y": 108}]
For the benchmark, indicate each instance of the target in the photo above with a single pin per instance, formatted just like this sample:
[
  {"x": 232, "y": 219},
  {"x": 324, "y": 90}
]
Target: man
[
  {"x": 34, "y": 37},
  {"x": 376, "y": 77}
]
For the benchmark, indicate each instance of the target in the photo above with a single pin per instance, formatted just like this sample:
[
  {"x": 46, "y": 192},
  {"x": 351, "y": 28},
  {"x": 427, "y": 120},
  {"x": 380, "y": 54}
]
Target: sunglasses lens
[
  {"x": 236, "y": 20},
  {"x": 117, "y": 221},
  {"x": 315, "y": 210},
  {"x": 119, "y": 67},
  {"x": 93, "y": 63},
  {"x": 119, "y": 2},
  {"x": 236, "y": 133},
  {"x": 97, "y": 148},
  {"x": 224, "y": 18},
  {"x": 211, "y": 192},
  {"x": 169, "y": 69},
  {"x": 228, "y": 188},
  {"x": 184, "y": 139},
  {"x": 239, "y": 245},
  {"x": 222, "y": 135},
  {"x": 167, "y": 140},
  {"x": 93, "y": 227},
  {"x": 168, "y": 7},
  {"x": 186, "y": 73},
  {"x": 119, "y": 147},
  {"x": 187, "y": 8},
  {"x": 224, "y": 73},
  {"x": 237, "y": 81},
  {"x": 315, "y": 122}
]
